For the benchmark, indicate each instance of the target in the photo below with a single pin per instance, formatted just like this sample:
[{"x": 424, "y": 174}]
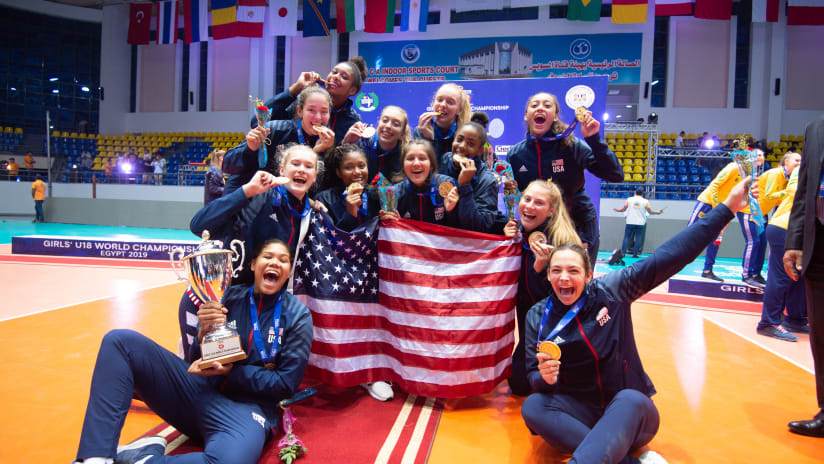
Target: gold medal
[
  {"x": 581, "y": 113},
  {"x": 318, "y": 128},
  {"x": 352, "y": 187},
  {"x": 457, "y": 158},
  {"x": 368, "y": 132},
  {"x": 553, "y": 350},
  {"x": 271, "y": 366},
  {"x": 445, "y": 188},
  {"x": 280, "y": 180},
  {"x": 537, "y": 237}
]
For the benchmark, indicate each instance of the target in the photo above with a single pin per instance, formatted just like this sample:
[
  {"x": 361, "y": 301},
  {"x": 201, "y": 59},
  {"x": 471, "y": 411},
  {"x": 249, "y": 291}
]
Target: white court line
[
  {"x": 395, "y": 432},
  {"x": 414, "y": 446},
  {"x": 759, "y": 344},
  {"x": 54, "y": 308}
]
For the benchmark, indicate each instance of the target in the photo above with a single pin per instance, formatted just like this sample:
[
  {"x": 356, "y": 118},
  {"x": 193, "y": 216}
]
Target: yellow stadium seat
[
  {"x": 639, "y": 162},
  {"x": 628, "y": 168},
  {"x": 637, "y": 177},
  {"x": 18, "y": 130},
  {"x": 638, "y": 169},
  {"x": 627, "y": 177}
]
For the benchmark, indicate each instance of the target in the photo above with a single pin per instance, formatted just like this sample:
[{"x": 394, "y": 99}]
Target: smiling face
[
  {"x": 468, "y": 142},
  {"x": 568, "y": 275},
  {"x": 315, "y": 111},
  {"x": 535, "y": 207},
  {"x": 541, "y": 112},
  {"x": 793, "y": 161},
  {"x": 391, "y": 127},
  {"x": 416, "y": 164},
  {"x": 353, "y": 168},
  {"x": 300, "y": 166},
  {"x": 447, "y": 102},
  {"x": 271, "y": 268},
  {"x": 340, "y": 83}
]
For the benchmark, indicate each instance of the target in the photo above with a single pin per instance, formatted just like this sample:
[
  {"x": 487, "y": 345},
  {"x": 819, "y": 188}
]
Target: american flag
[{"x": 427, "y": 307}]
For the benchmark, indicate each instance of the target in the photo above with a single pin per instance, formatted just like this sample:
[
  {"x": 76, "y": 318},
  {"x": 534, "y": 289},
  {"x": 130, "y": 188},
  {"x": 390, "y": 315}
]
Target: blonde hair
[
  {"x": 214, "y": 157},
  {"x": 406, "y": 134},
  {"x": 559, "y": 229},
  {"x": 293, "y": 149},
  {"x": 465, "y": 111}
]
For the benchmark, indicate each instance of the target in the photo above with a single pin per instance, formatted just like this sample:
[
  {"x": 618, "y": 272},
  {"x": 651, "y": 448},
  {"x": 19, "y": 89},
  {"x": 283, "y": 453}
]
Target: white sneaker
[
  {"x": 651, "y": 457},
  {"x": 381, "y": 391}
]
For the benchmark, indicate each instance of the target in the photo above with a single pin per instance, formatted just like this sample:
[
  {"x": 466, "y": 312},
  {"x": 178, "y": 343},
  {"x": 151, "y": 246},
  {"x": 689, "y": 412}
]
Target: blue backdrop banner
[{"x": 504, "y": 100}]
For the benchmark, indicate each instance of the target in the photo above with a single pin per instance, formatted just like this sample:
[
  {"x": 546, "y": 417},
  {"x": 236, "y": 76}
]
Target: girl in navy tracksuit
[
  {"x": 255, "y": 213},
  {"x": 418, "y": 195},
  {"x": 349, "y": 209},
  {"x": 542, "y": 210},
  {"x": 383, "y": 150},
  {"x": 231, "y": 408},
  {"x": 343, "y": 82},
  {"x": 241, "y": 162},
  {"x": 599, "y": 378},
  {"x": 550, "y": 153},
  {"x": 470, "y": 139},
  {"x": 450, "y": 109}
]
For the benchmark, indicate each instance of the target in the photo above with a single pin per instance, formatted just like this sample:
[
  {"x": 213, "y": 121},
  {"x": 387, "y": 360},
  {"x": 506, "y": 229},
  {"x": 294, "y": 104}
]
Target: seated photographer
[{"x": 230, "y": 408}]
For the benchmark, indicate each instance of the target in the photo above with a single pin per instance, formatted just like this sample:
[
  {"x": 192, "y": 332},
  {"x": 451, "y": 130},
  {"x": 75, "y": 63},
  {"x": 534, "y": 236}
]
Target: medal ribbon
[
  {"x": 437, "y": 130},
  {"x": 433, "y": 192},
  {"x": 301, "y": 137},
  {"x": 562, "y": 135},
  {"x": 280, "y": 192},
  {"x": 266, "y": 357},
  {"x": 573, "y": 311}
]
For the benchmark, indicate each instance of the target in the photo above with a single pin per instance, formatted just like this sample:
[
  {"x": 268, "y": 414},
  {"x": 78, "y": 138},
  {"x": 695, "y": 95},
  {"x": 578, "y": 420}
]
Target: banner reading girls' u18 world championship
[{"x": 504, "y": 100}]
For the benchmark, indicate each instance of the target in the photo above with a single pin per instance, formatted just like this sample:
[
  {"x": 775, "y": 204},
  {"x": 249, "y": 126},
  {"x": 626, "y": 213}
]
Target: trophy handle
[
  {"x": 240, "y": 255},
  {"x": 176, "y": 263}
]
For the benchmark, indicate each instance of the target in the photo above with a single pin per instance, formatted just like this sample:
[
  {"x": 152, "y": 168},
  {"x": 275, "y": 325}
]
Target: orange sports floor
[{"x": 725, "y": 394}]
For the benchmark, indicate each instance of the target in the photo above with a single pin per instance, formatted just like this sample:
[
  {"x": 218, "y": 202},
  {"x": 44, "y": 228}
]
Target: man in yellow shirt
[
  {"x": 14, "y": 169},
  {"x": 38, "y": 192}
]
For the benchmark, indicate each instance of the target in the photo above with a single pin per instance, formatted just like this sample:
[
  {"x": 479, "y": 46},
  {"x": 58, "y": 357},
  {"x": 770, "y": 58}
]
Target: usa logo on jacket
[{"x": 603, "y": 316}]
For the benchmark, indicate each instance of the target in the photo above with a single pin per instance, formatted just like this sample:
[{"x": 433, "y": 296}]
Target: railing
[{"x": 181, "y": 177}]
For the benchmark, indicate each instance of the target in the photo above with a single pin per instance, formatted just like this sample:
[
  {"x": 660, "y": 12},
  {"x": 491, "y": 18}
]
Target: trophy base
[
  {"x": 223, "y": 350},
  {"x": 226, "y": 359}
]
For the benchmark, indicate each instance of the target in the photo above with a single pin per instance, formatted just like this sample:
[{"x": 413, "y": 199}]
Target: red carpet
[{"x": 348, "y": 425}]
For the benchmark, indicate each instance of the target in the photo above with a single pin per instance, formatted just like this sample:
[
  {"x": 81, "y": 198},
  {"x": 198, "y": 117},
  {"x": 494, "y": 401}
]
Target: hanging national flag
[
  {"x": 140, "y": 16},
  {"x": 629, "y": 11},
  {"x": 476, "y": 5},
  {"x": 529, "y": 3},
  {"x": 713, "y": 9},
  {"x": 584, "y": 10},
  {"x": 167, "y": 22},
  {"x": 195, "y": 21},
  {"x": 315, "y": 18},
  {"x": 283, "y": 17},
  {"x": 224, "y": 19},
  {"x": 350, "y": 14},
  {"x": 414, "y": 14},
  {"x": 765, "y": 11},
  {"x": 432, "y": 313},
  {"x": 380, "y": 16},
  {"x": 805, "y": 13},
  {"x": 673, "y": 7},
  {"x": 250, "y": 15}
]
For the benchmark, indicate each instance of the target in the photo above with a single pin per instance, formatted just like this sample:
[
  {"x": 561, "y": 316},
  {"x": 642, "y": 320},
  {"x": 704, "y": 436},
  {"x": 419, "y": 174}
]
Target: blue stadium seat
[{"x": 683, "y": 179}]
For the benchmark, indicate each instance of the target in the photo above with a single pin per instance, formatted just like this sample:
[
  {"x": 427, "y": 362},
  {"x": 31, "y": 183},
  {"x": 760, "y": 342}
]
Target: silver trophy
[
  {"x": 746, "y": 159},
  {"x": 209, "y": 271}
]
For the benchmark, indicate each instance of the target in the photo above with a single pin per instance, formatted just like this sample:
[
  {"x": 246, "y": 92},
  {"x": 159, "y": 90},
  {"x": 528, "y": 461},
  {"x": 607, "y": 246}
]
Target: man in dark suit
[{"x": 804, "y": 255}]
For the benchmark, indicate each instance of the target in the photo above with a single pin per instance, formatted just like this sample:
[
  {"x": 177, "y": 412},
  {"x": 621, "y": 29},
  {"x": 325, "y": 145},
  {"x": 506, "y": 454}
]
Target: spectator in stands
[
  {"x": 636, "y": 209},
  {"x": 679, "y": 141},
  {"x": 14, "y": 169},
  {"x": 38, "y": 193},
  {"x": 107, "y": 169},
  {"x": 592, "y": 396},
  {"x": 231, "y": 408},
  {"x": 28, "y": 161},
  {"x": 132, "y": 167},
  {"x": 213, "y": 185},
  {"x": 86, "y": 161},
  {"x": 159, "y": 167},
  {"x": 146, "y": 168},
  {"x": 700, "y": 142}
]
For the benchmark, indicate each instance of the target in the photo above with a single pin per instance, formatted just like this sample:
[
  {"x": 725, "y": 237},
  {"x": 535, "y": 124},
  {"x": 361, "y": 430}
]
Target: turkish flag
[{"x": 140, "y": 15}]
